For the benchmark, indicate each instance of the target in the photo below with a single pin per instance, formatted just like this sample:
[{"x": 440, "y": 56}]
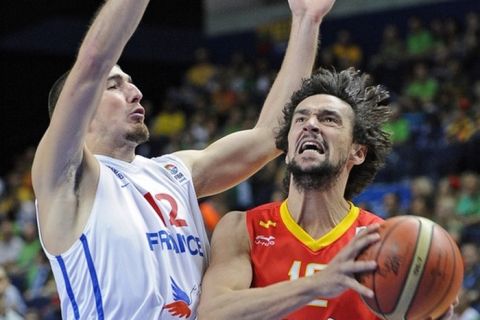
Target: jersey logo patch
[
  {"x": 267, "y": 224},
  {"x": 176, "y": 174},
  {"x": 265, "y": 241},
  {"x": 180, "y": 306}
]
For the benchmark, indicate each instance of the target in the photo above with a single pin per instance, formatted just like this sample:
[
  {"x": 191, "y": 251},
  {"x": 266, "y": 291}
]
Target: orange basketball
[{"x": 419, "y": 272}]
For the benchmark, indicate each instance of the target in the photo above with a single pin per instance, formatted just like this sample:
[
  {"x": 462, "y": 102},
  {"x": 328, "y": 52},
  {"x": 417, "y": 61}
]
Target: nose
[
  {"x": 134, "y": 94},
  {"x": 311, "y": 125}
]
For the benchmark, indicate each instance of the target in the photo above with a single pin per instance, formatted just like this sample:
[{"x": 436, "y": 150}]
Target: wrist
[{"x": 307, "y": 19}]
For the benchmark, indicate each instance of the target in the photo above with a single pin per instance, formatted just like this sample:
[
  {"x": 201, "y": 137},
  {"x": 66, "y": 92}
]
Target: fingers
[
  {"x": 358, "y": 287},
  {"x": 352, "y": 266},
  {"x": 363, "y": 239}
]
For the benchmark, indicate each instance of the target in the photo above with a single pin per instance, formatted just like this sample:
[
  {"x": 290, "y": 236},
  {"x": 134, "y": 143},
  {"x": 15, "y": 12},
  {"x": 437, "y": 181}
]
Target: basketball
[{"x": 419, "y": 270}]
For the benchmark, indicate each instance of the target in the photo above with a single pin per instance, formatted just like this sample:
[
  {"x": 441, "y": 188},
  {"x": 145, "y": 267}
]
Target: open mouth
[{"x": 312, "y": 146}]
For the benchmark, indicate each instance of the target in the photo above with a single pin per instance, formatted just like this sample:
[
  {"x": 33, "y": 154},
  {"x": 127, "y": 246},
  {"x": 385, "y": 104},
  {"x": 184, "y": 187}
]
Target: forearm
[
  {"x": 61, "y": 150},
  {"x": 112, "y": 27},
  {"x": 272, "y": 302},
  {"x": 297, "y": 65}
]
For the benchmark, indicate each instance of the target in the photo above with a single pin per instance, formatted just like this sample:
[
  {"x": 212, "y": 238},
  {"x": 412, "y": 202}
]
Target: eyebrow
[
  {"x": 118, "y": 77},
  {"x": 321, "y": 112}
]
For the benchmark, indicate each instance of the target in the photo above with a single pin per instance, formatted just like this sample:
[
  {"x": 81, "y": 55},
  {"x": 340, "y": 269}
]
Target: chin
[{"x": 139, "y": 135}]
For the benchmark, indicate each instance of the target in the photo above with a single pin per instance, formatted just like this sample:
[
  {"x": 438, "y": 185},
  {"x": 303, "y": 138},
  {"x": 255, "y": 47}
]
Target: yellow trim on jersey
[{"x": 326, "y": 239}]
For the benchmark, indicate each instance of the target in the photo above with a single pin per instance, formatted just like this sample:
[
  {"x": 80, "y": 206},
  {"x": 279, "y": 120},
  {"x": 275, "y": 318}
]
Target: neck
[
  {"x": 124, "y": 150},
  {"x": 317, "y": 212}
]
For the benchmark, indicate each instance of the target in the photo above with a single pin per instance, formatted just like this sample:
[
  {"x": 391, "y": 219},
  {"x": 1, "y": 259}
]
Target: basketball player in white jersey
[{"x": 124, "y": 233}]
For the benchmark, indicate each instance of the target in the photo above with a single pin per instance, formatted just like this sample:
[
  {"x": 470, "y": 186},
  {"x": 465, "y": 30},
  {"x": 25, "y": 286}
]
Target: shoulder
[
  {"x": 266, "y": 212},
  {"x": 231, "y": 229},
  {"x": 233, "y": 222},
  {"x": 366, "y": 217},
  {"x": 264, "y": 209},
  {"x": 169, "y": 165}
]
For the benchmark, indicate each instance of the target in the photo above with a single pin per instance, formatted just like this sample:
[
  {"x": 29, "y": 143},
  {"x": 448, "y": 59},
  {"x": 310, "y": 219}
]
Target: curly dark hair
[{"x": 366, "y": 100}]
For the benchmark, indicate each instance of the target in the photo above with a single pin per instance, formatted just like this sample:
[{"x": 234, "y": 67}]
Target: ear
[{"x": 358, "y": 153}]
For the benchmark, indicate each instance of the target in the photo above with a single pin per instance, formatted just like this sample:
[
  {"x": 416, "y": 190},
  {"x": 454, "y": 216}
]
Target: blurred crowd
[{"x": 433, "y": 73}]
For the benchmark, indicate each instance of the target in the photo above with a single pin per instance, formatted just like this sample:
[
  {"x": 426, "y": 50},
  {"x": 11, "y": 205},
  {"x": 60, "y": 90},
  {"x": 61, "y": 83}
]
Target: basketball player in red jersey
[{"x": 296, "y": 259}]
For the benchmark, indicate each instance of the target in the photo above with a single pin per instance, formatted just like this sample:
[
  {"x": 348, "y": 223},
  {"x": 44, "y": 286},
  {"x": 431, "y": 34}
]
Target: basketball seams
[
  {"x": 452, "y": 277},
  {"x": 385, "y": 240},
  {"x": 417, "y": 267},
  {"x": 432, "y": 232}
]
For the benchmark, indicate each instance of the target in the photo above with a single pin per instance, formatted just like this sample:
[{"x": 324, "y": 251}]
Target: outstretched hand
[
  {"x": 314, "y": 8},
  {"x": 339, "y": 275}
]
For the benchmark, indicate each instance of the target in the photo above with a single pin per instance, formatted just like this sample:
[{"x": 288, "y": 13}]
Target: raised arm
[
  {"x": 62, "y": 162},
  {"x": 307, "y": 15},
  {"x": 239, "y": 155},
  {"x": 226, "y": 292}
]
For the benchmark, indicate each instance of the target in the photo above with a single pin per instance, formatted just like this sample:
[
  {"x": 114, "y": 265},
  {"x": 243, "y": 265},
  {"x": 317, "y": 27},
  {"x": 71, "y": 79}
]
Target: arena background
[
  {"x": 38, "y": 41},
  {"x": 433, "y": 171}
]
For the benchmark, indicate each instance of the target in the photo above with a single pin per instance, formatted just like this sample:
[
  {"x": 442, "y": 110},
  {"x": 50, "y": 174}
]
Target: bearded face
[
  {"x": 319, "y": 177},
  {"x": 319, "y": 142}
]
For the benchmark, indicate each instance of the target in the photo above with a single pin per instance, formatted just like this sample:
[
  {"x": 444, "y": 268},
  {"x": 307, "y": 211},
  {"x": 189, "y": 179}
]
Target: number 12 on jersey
[{"x": 310, "y": 269}]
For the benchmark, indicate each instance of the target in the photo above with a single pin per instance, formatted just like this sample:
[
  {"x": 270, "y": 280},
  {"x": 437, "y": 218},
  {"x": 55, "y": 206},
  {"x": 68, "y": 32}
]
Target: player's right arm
[
  {"x": 226, "y": 291},
  {"x": 63, "y": 168}
]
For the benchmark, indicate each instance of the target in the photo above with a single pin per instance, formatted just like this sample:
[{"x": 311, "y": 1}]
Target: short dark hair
[
  {"x": 366, "y": 100},
  {"x": 54, "y": 92}
]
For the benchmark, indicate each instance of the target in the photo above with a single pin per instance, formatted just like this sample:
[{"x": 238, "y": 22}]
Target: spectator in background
[
  {"x": 345, "y": 52},
  {"x": 472, "y": 30},
  {"x": 7, "y": 313},
  {"x": 452, "y": 37},
  {"x": 469, "y": 300},
  {"x": 421, "y": 206},
  {"x": 11, "y": 300},
  {"x": 397, "y": 126},
  {"x": 392, "y": 206},
  {"x": 461, "y": 127},
  {"x": 419, "y": 40},
  {"x": 224, "y": 99},
  {"x": 423, "y": 86},
  {"x": 446, "y": 217},
  {"x": 166, "y": 126},
  {"x": 422, "y": 186},
  {"x": 202, "y": 71},
  {"x": 10, "y": 244},
  {"x": 25, "y": 264},
  {"x": 428, "y": 147},
  {"x": 263, "y": 80},
  {"x": 468, "y": 207},
  {"x": 387, "y": 64}
]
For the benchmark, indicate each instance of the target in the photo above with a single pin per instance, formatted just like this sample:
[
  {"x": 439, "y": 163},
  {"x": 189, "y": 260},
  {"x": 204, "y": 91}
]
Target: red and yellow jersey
[{"x": 281, "y": 250}]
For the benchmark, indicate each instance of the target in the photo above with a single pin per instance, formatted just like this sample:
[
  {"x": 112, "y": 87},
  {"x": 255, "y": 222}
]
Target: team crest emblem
[{"x": 180, "y": 307}]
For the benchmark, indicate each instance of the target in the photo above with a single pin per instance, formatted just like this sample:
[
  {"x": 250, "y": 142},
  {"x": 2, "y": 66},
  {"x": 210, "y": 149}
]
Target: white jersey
[{"x": 144, "y": 248}]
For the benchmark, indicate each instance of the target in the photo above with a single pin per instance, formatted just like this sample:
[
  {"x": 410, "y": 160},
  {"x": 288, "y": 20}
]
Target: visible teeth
[{"x": 310, "y": 146}]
